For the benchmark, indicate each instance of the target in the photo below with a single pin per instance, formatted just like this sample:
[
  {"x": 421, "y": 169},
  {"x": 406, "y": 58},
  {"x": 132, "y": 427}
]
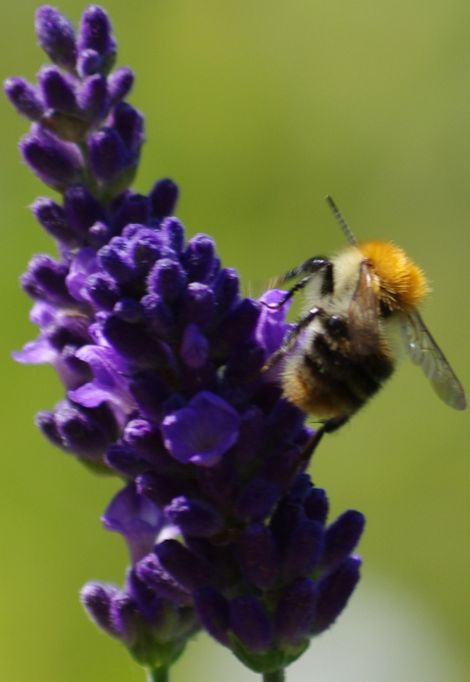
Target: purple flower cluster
[{"x": 161, "y": 360}]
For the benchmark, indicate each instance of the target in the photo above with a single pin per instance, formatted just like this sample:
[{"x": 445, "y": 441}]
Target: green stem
[
  {"x": 158, "y": 675},
  {"x": 276, "y": 676}
]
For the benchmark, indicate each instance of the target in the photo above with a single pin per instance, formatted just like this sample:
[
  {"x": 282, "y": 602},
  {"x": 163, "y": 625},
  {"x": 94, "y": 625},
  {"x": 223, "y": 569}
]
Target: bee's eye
[{"x": 337, "y": 327}]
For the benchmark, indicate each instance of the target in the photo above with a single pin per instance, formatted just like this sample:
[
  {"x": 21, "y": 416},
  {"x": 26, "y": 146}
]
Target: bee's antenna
[{"x": 344, "y": 226}]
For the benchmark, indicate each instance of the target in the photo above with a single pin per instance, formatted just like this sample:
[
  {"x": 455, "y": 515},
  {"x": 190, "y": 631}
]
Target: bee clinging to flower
[{"x": 342, "y": 349}]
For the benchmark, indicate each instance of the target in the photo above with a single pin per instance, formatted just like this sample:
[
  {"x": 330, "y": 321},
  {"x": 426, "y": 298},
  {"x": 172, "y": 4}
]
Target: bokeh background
[{"x": 258, "y": 109}]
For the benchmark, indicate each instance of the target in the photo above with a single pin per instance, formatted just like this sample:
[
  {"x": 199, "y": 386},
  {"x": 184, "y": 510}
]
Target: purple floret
[
  {"x": 201, "y": 432},
  {"x": 138, "y": 520},
  {"x": 56, "y": 36}
]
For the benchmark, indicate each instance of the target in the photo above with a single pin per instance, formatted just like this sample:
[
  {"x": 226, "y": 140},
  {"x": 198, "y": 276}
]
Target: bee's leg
[
  {"x": 309, "y": 268},
  {"x": 291, "y": 337},
  {"x": 328, "y": 426},
  {"x": 334, "y": 423}
]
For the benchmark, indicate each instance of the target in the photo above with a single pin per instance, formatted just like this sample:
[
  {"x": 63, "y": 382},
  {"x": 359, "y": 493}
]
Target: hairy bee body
[
  {"x": 330, "y": 376},
  {"x": 344, "y": 346}
]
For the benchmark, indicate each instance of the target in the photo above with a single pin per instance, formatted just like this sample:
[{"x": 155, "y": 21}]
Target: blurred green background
[{"x": 258, "y": 109}]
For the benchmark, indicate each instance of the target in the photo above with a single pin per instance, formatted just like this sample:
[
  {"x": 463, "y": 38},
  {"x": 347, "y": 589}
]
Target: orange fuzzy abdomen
[{"x": 403, "y": 284}]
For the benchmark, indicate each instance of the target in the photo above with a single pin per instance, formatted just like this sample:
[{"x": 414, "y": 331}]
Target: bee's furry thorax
[{"x": 402, "y": 283}]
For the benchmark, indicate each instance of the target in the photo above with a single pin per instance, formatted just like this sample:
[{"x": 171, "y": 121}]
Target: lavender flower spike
[{"x": 161, "y": 362}]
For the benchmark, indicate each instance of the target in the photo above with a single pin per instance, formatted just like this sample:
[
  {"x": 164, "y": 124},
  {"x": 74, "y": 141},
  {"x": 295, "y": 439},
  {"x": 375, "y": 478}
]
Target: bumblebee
[{"x": 342, "y": 349}]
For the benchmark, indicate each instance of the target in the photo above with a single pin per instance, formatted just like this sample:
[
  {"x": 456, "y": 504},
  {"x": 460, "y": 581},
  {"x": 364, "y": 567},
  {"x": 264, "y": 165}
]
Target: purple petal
[
  {"x": 295, "y": 612},
  {"x": 95, "y": 31},
  {"x": 24, "y": 98},
  {"x": 129, "y": 124},
  {"x": 341, "y": 538},
  {"x": 194, "y": 517},
  {"x": 83, "y": 265},
  {"x": 136, "y": 518},
  {"x": 334, "y": 592},
  {"x": 159, "y": 581},
  {"x": 250, "y": 622},
  {"x": 82, "y": 210},
  {"x": 226, "y": 289},
  {"x": 57, "y": 90},
  {"x": 56, "y": 36},
  {"x": 109, "y": 383},
  {"x": 189, "y": 570},
  {"x": 163, "y": 198},
  {"x": 108, "y": 154},
  {"x": 103, "y": 362},
  {"x": 167, "y": 279},
  {"x": 97, "y": 598},
  {"x": 200, "y": 258},
  {"x": 272, "y": 327},
  {"x": 57, "y": 163},
  {"x": 93, "y": 97},
  {"x": 89, "y": 62},
  {"x": 202, "y": 431},
  {"x": 194, "y": 347},
  {"x": 120, "y": 83},
  {"x": 258, "y": 556},
  {"x": 53, "y": 219},
  {"x": 212, "y": 609},
  {"x": 42, "y": 314},
  {"x": 36, "y": 352}
]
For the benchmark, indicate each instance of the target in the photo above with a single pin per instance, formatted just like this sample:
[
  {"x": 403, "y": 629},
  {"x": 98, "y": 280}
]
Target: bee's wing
[
  {"x": 425, "y": 352},
  {"x": 363, "y": 315}
]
